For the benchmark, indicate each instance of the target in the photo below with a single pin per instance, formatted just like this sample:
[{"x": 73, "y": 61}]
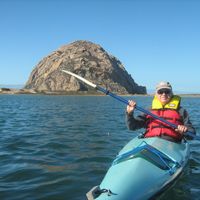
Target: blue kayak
[{"x": 142, "y": 169}]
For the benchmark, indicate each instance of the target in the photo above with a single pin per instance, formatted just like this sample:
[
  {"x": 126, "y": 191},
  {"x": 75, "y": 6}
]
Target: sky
[{"x": 155, "y": 40}]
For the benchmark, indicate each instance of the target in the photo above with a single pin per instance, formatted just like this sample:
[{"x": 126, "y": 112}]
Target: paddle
[{"x": 107, "y": 92}]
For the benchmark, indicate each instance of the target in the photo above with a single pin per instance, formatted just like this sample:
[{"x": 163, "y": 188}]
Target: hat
[{"x": 163, "y": 85}]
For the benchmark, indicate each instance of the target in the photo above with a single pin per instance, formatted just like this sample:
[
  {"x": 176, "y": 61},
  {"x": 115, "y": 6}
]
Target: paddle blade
[{"x": 80, "y": 78}]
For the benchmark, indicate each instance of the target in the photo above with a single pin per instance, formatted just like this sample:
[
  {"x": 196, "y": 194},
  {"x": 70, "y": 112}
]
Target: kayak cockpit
[{"x": 151, "y": 154}]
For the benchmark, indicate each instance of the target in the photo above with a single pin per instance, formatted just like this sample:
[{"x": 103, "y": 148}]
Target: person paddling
[{"x": 167, "y": 106}]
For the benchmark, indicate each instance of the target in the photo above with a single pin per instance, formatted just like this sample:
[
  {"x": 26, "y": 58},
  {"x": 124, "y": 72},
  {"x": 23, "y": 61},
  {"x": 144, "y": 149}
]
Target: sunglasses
[{"x": 166, "y": 91}]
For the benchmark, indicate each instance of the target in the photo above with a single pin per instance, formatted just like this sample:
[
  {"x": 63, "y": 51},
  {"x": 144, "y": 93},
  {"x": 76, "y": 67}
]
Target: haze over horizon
[{"x": 149, "y": 90}]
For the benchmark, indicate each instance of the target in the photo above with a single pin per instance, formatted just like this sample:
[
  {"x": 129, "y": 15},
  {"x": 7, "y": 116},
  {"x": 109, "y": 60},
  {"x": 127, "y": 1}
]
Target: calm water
[{"x": 58, "y": 147}]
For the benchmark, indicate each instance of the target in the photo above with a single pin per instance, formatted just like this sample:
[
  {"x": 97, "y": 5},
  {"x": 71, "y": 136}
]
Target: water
[{"x": 58, "y": 147}]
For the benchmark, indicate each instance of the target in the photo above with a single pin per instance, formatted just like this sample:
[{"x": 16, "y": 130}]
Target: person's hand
[
  {"x": 130, "y": 108},
  {"x": 181, "y": 129}
]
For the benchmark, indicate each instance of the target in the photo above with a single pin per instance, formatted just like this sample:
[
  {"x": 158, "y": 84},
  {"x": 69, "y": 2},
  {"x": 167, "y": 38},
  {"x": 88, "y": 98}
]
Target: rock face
[{"x": 86, "y": 59}]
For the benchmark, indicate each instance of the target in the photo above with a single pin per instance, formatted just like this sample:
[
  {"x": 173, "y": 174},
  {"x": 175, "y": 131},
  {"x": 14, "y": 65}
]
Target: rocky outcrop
[
  {"x": 86, "y": 59},
  {"x": 16, "y": 91}
]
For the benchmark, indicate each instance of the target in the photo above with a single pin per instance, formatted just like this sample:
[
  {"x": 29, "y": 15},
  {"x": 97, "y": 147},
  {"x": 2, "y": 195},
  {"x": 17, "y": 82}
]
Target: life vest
[{"x": 168, "y": 112}]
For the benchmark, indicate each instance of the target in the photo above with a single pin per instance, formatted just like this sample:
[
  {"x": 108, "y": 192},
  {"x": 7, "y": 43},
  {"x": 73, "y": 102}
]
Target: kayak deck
[
  {"x": 151, "y": 154},
  {"x": 142, "y": 168}
]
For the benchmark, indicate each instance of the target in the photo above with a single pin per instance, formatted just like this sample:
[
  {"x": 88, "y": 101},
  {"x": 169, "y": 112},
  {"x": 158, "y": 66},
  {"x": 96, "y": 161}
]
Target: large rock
[{"x": 88, "y": 60}]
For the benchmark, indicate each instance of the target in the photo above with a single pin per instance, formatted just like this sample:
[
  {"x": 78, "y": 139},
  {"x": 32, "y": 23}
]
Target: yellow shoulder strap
[
  {"x": 173, "y": 104},
  {"x": 156, "y": 103}
]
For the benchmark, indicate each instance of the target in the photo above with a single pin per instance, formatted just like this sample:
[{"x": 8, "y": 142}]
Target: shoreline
[{"x": 11, "y": 91}]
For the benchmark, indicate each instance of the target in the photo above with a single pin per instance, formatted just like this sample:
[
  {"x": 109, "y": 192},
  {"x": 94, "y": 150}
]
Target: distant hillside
[
  {"x": 88, "y": 60},
  {"x": 152, "y": 91},
  {"x": 11, "y": 86}
]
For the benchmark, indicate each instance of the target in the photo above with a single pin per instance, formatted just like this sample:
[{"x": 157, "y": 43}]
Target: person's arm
[
  {"x": 187, "y": 122},
  {"x": 132, "y": 122}
]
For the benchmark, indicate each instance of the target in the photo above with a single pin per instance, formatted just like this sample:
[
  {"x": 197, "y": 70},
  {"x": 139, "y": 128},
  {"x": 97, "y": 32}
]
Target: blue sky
[{"x": 154, "y": 39}]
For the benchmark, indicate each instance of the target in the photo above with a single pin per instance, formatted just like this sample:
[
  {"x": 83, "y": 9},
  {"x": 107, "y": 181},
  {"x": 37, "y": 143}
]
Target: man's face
[{"x": 164, "y": 95}]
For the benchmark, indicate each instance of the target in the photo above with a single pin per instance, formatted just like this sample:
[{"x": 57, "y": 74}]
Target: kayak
[{"x": 144, "y": 168}]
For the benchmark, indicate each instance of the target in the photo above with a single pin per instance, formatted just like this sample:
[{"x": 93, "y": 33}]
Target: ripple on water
[{"x": 58, "y": 147}]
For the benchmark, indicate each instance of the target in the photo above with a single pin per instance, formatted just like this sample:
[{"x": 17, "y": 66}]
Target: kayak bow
[{"x": 142, "y": 169}]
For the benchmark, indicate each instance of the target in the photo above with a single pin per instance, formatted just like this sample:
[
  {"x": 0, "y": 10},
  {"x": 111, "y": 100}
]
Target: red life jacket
[{"x": 158, "y": 128}]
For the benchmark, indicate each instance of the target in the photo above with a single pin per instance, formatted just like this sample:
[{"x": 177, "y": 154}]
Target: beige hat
[{"x": 163, "y": 85}]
